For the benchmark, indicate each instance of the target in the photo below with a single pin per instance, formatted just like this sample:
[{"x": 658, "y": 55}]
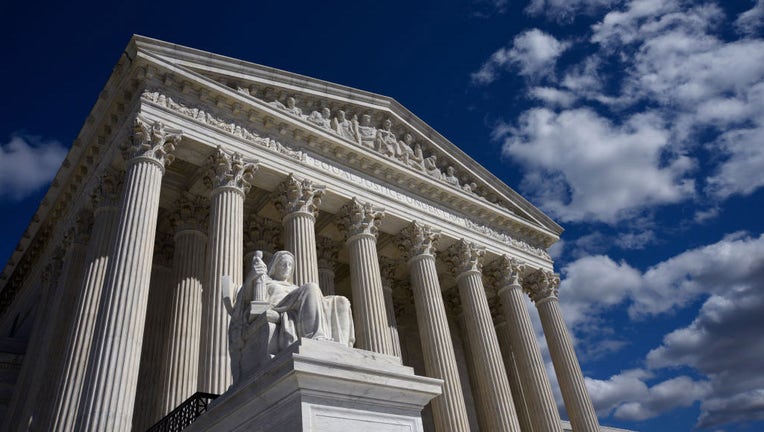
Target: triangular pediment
[{"x": 365, "y": 123}]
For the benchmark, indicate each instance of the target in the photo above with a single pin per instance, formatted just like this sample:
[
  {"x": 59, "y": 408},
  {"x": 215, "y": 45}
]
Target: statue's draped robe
[{"x": 305, "y": 312}]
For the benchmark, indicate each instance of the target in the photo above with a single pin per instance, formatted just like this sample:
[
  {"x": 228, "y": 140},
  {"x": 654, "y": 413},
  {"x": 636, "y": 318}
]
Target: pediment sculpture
[{"x": 271, "y": 313}]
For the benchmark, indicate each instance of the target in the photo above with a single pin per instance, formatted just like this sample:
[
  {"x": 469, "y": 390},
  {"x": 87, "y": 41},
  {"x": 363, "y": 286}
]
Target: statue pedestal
[{"x": 324, "y": 386}]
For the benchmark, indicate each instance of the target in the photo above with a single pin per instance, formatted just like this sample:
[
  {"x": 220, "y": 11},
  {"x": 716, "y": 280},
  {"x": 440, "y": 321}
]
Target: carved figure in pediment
[
  {"x": 366, "y": 132},
  {"x": 292, "y": 108},
  {"x": 431, "y": 167},
  {"x": 470, "y": 187},
  {"x": 343, "y": 126},
  {"x": 410, "y": 156},
  {"x": 450, "y": 176},
  {"x": 271, "y": 313},
  {"x": 322, "y": 118},
  {"x": 386, "y": 142}
]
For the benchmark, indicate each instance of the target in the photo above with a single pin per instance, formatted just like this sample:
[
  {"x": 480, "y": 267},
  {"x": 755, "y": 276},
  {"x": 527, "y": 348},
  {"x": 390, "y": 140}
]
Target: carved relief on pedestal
[
  {"x": 230, "y": 170},
  {"x": 152, "y": 141},
  {"x": 294, "y": 196},
  {"x": 360, "y": 218},
  {"x": 541, "y": 285},
  {"x": 418, "y": 239}
]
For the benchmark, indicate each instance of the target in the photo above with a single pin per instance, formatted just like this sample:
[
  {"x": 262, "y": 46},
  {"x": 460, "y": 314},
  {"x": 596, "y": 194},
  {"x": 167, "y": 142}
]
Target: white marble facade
[{"x": 188, "y": 164}]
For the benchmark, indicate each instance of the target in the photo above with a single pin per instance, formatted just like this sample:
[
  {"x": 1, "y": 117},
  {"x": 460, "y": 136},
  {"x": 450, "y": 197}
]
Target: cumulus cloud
[
  {"x": 581, "y": 166},
  {"x": 659, "y": 70},
  {"x": 26, "y": 164},
  {"x": 533, "y": 52},
  {"x": 752, "y": 20},
  {"x": 729, "y": 275}
]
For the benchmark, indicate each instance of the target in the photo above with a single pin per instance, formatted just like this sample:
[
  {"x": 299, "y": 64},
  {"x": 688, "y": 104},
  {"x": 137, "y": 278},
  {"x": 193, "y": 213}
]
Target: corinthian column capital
[
  {"x": 541, "y": 285},
  {"x": 191, "y": 212},
  {"x": 360, "y": 218},
  {"x": 153, "y": 141},
  {"x": 464, "y": 257},
  {"x": 505, "y": 272},
  {"x": 418, "y": 239},
  {"x": 106, "y": 192},
  {"x": 299, "y": 196},
  {"x": 230, "y": 171}
]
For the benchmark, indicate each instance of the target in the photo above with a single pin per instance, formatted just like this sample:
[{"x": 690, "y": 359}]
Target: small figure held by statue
[{"x": 271, "y": 313}]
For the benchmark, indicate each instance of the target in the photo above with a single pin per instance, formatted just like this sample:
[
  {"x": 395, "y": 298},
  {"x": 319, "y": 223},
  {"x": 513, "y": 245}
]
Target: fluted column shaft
[
  {"x": 526, "y": 353},
  {"x": 326, "y": 280},
  {"x": 148, "y": 401},
  {"x": 391, "y": 321},
  {"x": 542, "y": 287},
  {"x": 182, "y": 360},
  {"x": 224, "y": 258},
  {"x": 61, "y": 327},
  {"x": 112, "y": 374},
  {"x": 515, "y": 381},
  {"x": 449, "y": 411},
  {"x": 496, "y": 397},
  {"x": 75, "y": 361},
  {"x": 231, "y": 179},
  {"x": 298, "y": 203},
  {"x": 20, "y": 416},
  {"x": 300, "y": 239},
  {"x": 372, "y": 330},
  {"x": 577, "y": 400}
]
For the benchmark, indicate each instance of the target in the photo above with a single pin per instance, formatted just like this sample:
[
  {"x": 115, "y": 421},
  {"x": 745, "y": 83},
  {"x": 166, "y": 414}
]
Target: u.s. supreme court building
[{"x": 112, "y": 306}]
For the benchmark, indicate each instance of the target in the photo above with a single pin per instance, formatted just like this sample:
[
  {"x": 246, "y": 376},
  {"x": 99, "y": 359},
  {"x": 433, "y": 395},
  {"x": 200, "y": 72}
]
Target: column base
[{"x": 324, "y": 386}]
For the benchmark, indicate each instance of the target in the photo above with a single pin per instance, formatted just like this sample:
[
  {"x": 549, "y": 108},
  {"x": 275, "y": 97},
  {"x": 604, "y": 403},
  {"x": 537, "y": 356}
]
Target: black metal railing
[{"x": 185, "y": 414}]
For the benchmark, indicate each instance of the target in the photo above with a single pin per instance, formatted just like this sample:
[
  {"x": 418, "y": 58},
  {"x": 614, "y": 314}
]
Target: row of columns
[{"x": 107, "y": 335}]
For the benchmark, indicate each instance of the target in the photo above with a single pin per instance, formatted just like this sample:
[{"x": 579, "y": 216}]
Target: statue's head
[{"x": 282, "y": 266}]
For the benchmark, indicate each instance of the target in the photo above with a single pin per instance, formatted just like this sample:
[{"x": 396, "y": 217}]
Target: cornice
[{"x": 232, "y": 74}]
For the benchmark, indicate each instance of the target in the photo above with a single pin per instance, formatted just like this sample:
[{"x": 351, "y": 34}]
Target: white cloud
[
  {"x": 752, "y": 20},
  {"x": 565, "y": 10},
  {"x": 723, "y": 344},
  {"x": 666, "y": 86},
  {"x": 581, "y": 166},
  {"x": 26, "y": 164},
  {"x": 533, "y": 52},
  {"x": 627, "y": 396},
  {"x": 553, "y": 97}
]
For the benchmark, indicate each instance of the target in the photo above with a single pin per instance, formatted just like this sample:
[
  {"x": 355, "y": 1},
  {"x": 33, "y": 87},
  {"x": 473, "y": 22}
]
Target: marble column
[
  {"x": 513, "y": 374},
  {"x": 181, "y": 365},
  {"x": 327, "y": 250},
  {"x": 298, "y": 203},
  {"x": 230, "y": 180},
  {"x": 387, "y": 269},
  {"x": 360, "y": 222},
  {"x": 496, "y": 408},
  {"x": 261, "y": 234},
  {"x": 75, "y": 360},
  {"x": 418, "y": 244},
  {"x": 542, "y": 286},
  {"x": 524, "y": 347},
  {"x": 148, "y": 401},
  {"x": 112, "y": 375},
  {"x": 19, "y": 415},
  {"x": 60, "y": 319}
]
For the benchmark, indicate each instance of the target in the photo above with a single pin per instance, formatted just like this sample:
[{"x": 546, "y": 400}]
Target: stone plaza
[{"x": 191, "y": 170}]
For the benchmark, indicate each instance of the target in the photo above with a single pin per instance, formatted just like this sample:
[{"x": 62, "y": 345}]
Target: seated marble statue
[{"x": 271, "y": 313}]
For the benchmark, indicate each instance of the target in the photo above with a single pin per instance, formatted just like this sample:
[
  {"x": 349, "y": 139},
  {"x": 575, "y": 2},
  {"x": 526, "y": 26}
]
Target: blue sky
[{"x": 638, "y": 125}]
